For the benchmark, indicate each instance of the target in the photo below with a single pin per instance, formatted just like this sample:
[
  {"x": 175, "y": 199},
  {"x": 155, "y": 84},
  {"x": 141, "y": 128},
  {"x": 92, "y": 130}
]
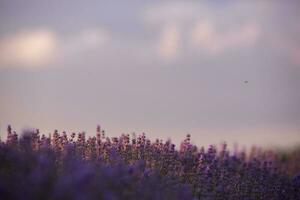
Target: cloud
[
  {"x": 83, "y": 40},
  {"x": 28, "y": 49},
  {"x": 169, "y": 42},
  {"x": 40, "y": 48},
  {"x": 94, "y": 37},
  {"x": 288, "y": 47},
  {"x": 205, "y": 36},
  {"x": 195, "y": 26}
]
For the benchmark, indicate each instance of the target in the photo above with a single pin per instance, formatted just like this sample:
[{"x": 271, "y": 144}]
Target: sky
[{"x": 218, "y": 70}]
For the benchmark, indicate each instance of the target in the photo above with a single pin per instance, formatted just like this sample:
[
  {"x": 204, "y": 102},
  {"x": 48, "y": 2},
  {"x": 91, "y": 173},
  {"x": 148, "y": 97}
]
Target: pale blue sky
[{"x": 166, "y": 68}]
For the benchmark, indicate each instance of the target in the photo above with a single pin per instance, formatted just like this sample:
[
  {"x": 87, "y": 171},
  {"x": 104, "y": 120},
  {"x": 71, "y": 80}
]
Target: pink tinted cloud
[
  {"x": 40, "y": 48},
  {"x": 169, "y": 42},
  {"x": 28, "y": 49},
  {"x": 204, "y": 35}
]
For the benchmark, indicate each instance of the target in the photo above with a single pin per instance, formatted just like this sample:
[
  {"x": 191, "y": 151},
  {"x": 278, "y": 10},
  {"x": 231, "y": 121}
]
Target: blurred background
[{"x": 220, "y": 71}]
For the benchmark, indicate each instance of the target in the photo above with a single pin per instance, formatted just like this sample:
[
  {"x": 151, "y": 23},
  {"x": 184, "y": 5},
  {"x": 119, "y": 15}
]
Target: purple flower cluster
[{"x": 59, "y": 166}]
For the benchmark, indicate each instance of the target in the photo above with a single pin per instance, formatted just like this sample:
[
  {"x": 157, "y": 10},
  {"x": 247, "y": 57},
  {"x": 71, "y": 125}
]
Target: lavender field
[
  {"x": 199, "y": 100},
  {"x": 71, "y": 166}
]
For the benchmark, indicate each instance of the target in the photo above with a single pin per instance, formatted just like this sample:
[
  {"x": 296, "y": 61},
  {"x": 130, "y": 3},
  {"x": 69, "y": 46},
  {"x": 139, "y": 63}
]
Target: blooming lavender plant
[{"x": 59, "y": 166}]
